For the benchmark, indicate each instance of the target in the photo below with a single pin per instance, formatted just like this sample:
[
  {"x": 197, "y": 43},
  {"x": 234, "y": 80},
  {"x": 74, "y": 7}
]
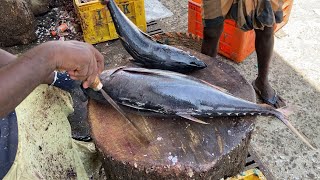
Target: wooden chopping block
[{"x": 179, "y": 148}]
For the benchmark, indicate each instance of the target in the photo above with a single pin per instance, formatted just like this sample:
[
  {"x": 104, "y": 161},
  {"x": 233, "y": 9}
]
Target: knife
[{"x": 97, "y": 86}]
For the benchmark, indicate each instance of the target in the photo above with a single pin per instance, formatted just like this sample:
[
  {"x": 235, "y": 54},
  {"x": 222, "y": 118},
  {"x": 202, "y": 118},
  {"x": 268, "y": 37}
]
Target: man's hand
[
  {"x": 18, "y": 79},
  {"x": 81, "y": 60}
]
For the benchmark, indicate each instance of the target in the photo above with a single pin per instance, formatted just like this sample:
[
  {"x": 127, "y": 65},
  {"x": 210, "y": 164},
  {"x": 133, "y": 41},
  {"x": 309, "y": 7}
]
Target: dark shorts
[
  {"x": 8, "y": 142},
  {"x": 248, "y": 14}
]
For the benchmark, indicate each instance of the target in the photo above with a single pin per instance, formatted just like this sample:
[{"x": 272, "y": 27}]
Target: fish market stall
[{"x": 177, "y": 148}]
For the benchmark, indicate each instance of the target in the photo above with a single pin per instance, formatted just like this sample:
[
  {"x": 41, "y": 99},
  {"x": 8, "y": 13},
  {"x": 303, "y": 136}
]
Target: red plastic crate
[
  {"x": 195, "y": 18},
  {"x": 234, "y": 43}
]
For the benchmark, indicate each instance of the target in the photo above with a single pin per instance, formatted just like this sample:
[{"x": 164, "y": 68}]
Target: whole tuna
[
  {"x": 173, "y": 94},
  {"x": 149, "y": 53}
]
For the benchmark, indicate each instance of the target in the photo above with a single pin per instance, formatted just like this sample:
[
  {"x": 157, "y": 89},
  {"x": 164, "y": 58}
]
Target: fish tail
[
  {"x": 286, "y": 111},
  {"x": 282, "y": 114}
]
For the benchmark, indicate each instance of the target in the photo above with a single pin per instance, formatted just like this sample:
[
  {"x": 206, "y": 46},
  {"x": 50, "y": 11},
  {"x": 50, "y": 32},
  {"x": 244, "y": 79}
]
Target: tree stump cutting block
[{"x": 178, "y": 148}]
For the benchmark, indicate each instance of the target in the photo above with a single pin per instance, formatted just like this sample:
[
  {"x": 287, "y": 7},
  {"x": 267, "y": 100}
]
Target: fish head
[{"x": 195, "y": 63}]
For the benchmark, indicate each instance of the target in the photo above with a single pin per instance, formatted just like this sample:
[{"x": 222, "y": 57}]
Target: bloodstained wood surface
[{"x": 178, "y": 148}]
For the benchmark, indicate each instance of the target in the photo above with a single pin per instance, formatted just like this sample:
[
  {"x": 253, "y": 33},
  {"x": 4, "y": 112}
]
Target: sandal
[{"x": 270, "y": 101}]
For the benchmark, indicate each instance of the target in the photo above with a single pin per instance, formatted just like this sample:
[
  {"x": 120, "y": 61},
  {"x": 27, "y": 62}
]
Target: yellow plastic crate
[
  {"x": 252, "y": 174},
  {"x": 96, "y": 22}
]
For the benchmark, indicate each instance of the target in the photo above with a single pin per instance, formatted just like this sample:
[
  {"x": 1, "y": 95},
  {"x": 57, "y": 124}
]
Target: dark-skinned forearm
[
  {"x": 19, "y": 78},
  {"x": 6, "y": 58}
]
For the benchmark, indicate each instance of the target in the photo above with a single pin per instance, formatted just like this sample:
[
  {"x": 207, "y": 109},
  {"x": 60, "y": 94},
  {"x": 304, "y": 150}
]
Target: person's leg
[
  {"x": 210, "y": 40},
  {"x": 264, "y": 47},
  {"x": 213, "y": 15}
]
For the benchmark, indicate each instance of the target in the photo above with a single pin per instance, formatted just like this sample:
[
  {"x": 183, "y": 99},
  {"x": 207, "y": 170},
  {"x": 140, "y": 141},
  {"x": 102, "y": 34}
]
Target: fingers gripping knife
[{"x": 97, "y": 86}]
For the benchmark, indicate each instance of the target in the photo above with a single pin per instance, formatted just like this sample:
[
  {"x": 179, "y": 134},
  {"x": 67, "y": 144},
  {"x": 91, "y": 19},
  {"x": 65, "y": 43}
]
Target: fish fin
[
  {"x": 122, "y": 39},
  {"x": 154, "y": 72},
  {"x": 282, "y": 116},
  {"x": 134, "y": 61},
  {"x": 150, "y": 37},
  {"x": 109, "y": 72},
  {"x": 148, "y": 71},
  {"x": 287, "y": 110},
  {"x": 216, "y": 87},
  {"x": 131, "y": 59},
  {"x": 191, "y": 118}
]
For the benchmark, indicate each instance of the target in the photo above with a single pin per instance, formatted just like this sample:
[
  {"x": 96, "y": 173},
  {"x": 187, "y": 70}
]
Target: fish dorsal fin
[
  {"x": 154, "y": 71},
  {"x": 140, "y": 70},
  {"x": 148, "y": 36},
  {"x": 109, "y": 72},
  {"x": 123, "y": 39},
  {"x": 191, "y": 118},
  {"x": 148, "y": 71}
]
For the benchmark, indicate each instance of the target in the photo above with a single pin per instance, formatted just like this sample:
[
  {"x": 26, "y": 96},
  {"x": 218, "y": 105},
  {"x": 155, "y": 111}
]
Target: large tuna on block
[{"x": 166, "y": 93}]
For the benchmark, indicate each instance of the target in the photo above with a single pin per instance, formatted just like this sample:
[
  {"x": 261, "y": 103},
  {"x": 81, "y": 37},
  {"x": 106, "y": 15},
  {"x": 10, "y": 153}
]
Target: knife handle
[{"x": 96, "y": 85}]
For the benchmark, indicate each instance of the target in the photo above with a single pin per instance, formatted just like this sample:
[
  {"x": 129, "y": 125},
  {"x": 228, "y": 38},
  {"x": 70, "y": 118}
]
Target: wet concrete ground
[{"x": 295, "y": 75}]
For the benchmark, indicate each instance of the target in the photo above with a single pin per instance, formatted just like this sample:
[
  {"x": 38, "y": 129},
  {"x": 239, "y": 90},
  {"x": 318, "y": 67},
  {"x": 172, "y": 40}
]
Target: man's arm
[
  {"x": 25, "y": 73},
  {"x": 6, "y": 58}
]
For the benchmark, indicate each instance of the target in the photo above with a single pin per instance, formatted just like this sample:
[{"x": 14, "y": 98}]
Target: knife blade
[{"x": 97, "y": 86}]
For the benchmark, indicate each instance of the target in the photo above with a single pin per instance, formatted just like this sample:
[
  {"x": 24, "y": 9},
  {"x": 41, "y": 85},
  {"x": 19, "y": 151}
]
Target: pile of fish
[{"x": 167, "y": 93}]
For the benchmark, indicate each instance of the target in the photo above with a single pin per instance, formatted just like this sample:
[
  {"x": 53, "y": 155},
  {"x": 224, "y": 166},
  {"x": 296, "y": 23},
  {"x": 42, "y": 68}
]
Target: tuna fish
[
  {"x": 166, "y": 93},
  {"x": 147, "y": 52}
]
